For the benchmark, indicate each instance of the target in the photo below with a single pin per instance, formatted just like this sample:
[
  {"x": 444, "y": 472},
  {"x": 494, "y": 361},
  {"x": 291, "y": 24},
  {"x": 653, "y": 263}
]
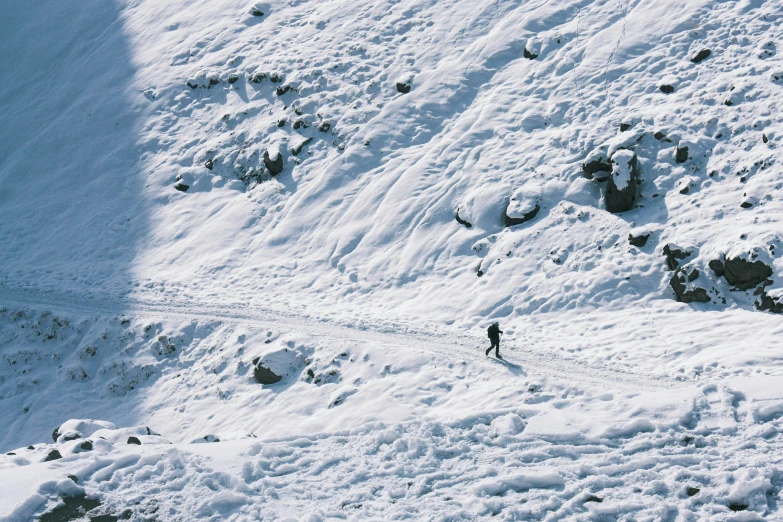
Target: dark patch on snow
[
  {"x": 666, "y": 88},
  {"x": 674, "y": 254},
  {"x": 324, "y": 126},
  {"x": 681, "y": 156},
  {"x": 276, "y": 165},
  {"x": 691, "y": 491},
  {"x": 53, "y": 455},
  {"x": 701, "y": 56},
  {"x": 741, "y": 273},
  {"x": 182, "y": 187},
  {"x": 527, "y": 54},
  {"x": 75, "y": 507},
  {"x": 464, "y": 223},
  {"x": 404, "y": 87},
  {"x": 134, "y": 440},
  {"x": 510, "y": 221},
  {"x": 638, "y": 241},
  {"x": 684, "y": 294},
  {"x": 264, "y": 375}
]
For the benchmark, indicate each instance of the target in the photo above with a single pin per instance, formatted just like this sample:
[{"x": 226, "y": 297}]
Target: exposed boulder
[
  {"x": 622, "y": 185},
  {"x": 233, "y": 78},
  {"x": 264, "y": 375},
  {"x": 638, "y": 240},
  {"x": 743, "y": 269},
  {"x": 521, "y": 208},
  {"x": 681, "y": 156},
  {"x": 666, "y": 88},
  {"x": 53, "y": 455},
  {"x": 701, "y": 56},
  {"x": 273, "y": 160},
  {"x": 324, "y": 126},
  {"x": 532, "y": 49},
  {"x": 770, "y": 303},
  {"x": 597, "y": 162},
  {"x": 134, "y": 440},
  {"x": 182, "y": 187},
  {"x": 404, "y": 83},
  {"x": 684, "y": 290},
  {"x": 674, "y": 254}
]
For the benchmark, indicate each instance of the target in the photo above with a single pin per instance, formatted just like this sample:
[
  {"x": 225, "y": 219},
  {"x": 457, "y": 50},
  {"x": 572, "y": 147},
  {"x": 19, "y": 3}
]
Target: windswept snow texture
[
  {"x": 200, "y": 197},
  {"x": 362, "y": 216}
]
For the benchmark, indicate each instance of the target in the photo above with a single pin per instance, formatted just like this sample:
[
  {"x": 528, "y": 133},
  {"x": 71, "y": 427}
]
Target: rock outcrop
[{"x": 622, "y": 185}]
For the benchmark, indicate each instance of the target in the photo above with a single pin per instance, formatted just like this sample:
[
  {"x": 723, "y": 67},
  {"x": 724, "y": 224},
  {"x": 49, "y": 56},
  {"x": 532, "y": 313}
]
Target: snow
[{"x": 131, "y": 310}]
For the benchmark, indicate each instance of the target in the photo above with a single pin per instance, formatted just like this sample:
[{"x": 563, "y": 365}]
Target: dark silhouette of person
[{"x": 493, "y": 332}]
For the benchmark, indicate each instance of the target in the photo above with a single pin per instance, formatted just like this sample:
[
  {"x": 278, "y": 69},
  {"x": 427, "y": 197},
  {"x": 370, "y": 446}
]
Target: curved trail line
[{"x": 452, "y": 345}]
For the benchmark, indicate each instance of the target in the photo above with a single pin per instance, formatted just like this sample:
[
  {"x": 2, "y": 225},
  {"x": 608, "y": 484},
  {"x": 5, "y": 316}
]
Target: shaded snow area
[{"x": 250, "y": 251}]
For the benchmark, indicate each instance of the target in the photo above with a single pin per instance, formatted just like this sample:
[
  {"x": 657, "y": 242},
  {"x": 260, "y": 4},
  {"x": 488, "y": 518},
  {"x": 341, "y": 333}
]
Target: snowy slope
[{"x": 151, "y": 254}]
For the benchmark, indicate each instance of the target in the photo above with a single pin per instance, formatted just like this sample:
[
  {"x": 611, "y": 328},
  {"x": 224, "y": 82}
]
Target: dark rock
[
  {"x": 683, "y": 293},
  {"x": 134, "y": 440},
  {"x": 685, "y": 189},
  {"x": 73, "y": 508},
  {"x": 74, "y": 478},
  {"x": 31, "y": 447},
  {"x": 310, "y": 374},
  {"x": 461, "y": 221},
  {"x": 281, "y": 123},
  {"x": 593, "y": 498},
  {"x": 746, "y": 204},
  {"x": 744, "y": 274},
  {"x": 275, "y": 78},
  {"x": 257, "y": 12},
  {"x": 233, "y": 78},
  {"x": 404, "y": 87},
  {"x": 209, "y": 164},
  {"x": 324, "y": 126},
  {"x": 264, "y": 375},
  {"x": 257, "y": 77},
  {"x": 735, "y": 506},
  {"x": 510, "y": 221},
  {"x": 56, "y": 433},
  {"x": 691, "y": 491},
  {"x": 11, "y": 453},
  {"x": 182, "y": 187},
  {"x": 764, "y": 138},
  {"x": 192, "y": 85},
  {"x": 69, "y": 436},
  {"x": 296, "y": 149},
  {"x": 275, "y": 165},
  {"x": 622, "y": 197},
  {"x": 682, "y": 154},
  {"x": 53, "y": 455},
  {"x": 659, "y": 135},
  {"x": 591, "y": 168},
  {"x": 674, "y": 254},
  {"x": 767, "y": 303},
  {"x": 86, "y": 445},
  {"x": 666, "y": 89},
  {"x": 527, "y": 54},
  {"x": 625, "y": 126},
  {"x": 693, "y": 275},
  {"x": 701, "y": 56},
  {"x": 638, "y": 241},
  {"x": 716, "y": 266},
  {"x": 283, "y": 89},
  {"x": 213, "y": 81},
  {"x": 300, "y": 124}
]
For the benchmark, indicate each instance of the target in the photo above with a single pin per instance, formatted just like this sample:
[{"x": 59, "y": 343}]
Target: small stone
[
  {"x": 281, "y": 123},
  {"x": 301, "y": 124},
  {"x": 257, "y": 12},
  {"x": 681, "y": 155},
  {"x": 464, "y": 223},
  {"x": 527, "y": 54},
  {"x": 691, "y": 491},
  {"x": 666, "y": 89},
  {"x": 134, "y": 440},
  {"x": 213, "y": 81},
  {"x": 701, "y": 56},
  {"x": 296, "y": 149},
  {"x": 404, "y": 87},
  {"x": 273, "y": 162},
  {"x": 257, "y": 77},
  {"x": 209, "y": 164},
  {"x": 264, "y": 375},
  {"x": 275, "y": 78},
  {"x": 659, "y": 135},
  {"x": 233, "y": 78},
  {"x": 625, "y": 126},
  {"x": 638, "y": 241},
  {"x": 764, "y": 138},
  {"x": 86, "y": 445},
  {"x": 283, "y": 89},
  {"x": 182, "y": 187},
  {"x": 324, "y": 126},
  {"x": 53, "y": 455},
  {"x": 746, "y": 204}
]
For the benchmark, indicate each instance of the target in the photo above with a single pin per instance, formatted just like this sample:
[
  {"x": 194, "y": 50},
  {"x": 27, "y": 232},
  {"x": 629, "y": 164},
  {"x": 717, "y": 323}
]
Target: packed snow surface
[{"x": 340, "y": 197}]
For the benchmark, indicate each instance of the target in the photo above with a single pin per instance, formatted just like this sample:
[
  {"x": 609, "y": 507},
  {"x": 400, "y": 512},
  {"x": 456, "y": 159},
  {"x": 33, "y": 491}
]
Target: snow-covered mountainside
[{"x": 283, "y": 227}]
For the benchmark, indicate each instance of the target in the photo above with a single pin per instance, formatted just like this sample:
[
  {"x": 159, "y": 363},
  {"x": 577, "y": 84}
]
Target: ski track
[{"x": 444, "y": 344}]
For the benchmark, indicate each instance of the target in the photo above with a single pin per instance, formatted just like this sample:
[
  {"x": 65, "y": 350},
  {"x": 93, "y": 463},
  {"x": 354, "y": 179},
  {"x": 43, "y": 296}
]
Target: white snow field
[{"x": 250, "y": 252}]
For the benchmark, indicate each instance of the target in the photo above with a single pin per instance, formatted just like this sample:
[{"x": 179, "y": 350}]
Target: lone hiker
[{"x": 493, "y": 332}]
